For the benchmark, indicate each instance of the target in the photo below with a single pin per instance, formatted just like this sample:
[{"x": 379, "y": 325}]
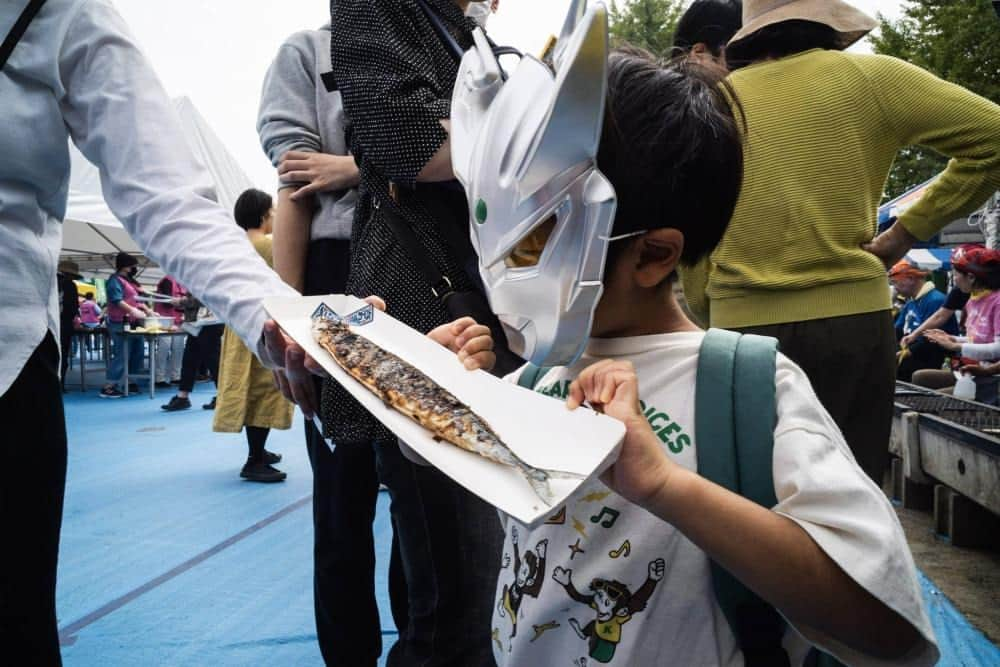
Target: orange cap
[{"x": 903, "y": 269}]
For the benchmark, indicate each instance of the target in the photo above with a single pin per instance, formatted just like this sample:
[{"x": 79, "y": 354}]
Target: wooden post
[
  {"x": 917, "y": 491},
  {"x": 963, "y": 522}
]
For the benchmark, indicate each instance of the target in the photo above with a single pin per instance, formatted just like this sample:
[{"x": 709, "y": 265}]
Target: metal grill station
[{"x": 949, "y": 461}]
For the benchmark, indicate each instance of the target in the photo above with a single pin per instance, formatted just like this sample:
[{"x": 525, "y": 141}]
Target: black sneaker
[
  {"x": 210, "y": 405},
  {"x": 261, "y": 472},
  {"x": 111, "y": 392},
  {"x": 177, "y": 403},
  {"x": 271, "y": 457}
]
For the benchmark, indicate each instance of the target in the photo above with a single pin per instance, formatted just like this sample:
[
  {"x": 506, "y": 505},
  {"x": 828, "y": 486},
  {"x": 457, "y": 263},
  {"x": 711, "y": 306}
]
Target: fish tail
[
  {"x": 539, "y": 481},
  {"x": 563, "y": 474}
]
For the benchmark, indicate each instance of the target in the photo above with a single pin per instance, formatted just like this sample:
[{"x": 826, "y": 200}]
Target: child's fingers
[
  {"x": 609, "y": 380},
  {"x": 584, "y": 388},
  {"x": 475, "y": 346},
  {"x": 442, "y": 336},
  {"x": 469, "y": 331},
  {"x": 485, "y": 360},
  {"x": 460, "y": 325},
  {"x": 376, "y": 301},
  {"x": 603, "y": 383}
]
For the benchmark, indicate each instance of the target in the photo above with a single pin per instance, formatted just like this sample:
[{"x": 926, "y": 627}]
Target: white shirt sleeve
[
  {"x": 820, "y": 486},
  {"x": 982, "y": 351},
  {"x": 122, "y": 120}
]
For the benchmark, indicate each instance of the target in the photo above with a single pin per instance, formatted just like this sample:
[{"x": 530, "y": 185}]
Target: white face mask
[{"x": 479, "y": 11}]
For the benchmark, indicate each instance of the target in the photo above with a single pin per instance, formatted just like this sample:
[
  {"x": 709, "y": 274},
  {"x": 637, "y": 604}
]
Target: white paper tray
[{"x": 537, "y": 428}]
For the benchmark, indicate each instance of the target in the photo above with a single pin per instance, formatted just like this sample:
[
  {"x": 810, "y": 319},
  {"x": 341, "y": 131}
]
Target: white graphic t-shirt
[{"x": 603, "y": 582}]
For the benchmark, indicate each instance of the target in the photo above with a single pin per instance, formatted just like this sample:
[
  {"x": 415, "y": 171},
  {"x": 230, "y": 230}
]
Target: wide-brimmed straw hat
[
  {"x": 69, "y": 269},
  {"x": 850, "y": 23}
]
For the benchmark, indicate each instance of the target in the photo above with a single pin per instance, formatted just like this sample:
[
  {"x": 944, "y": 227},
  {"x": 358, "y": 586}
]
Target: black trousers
[
  {"x": 204, "y": 348},
  {"x": 31, "y": 504},
  {"x": 851, "y": 363},
  {"x": 925, "y": 356},
  {"x": 66, "y": 345},
  {"x": 345, "y": 490},
  {"x": 450, "y": 545}
]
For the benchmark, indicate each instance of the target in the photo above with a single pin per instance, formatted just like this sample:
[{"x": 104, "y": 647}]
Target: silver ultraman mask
[{"x": 541, "y": 213}]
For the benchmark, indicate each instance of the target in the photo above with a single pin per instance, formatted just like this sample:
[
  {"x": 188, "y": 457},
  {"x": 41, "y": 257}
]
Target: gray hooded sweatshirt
[{"x": 298, "y": 113}]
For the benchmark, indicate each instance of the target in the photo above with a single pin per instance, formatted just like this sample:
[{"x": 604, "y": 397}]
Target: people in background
[
  {"x": 953, "y": 304},
  {"x": 799, "y": 261},
  {"x": 170, "y": 350},
  {"x": 706, "y": 27},
  {"x": 69, "y": 309},
  {"x": 301, "y": 123},
  {"x": 124, "y": 310},
  {"x": 90, "y": 312},
  {"x": 977, "y": 272},
  {"x": 248, "y": 399},
  {"x": 202, "y": 348},
  {"x": 923, "y": 301}
]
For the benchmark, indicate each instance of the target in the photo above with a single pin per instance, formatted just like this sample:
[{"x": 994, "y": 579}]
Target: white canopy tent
[{"x": 92, "y": 236}]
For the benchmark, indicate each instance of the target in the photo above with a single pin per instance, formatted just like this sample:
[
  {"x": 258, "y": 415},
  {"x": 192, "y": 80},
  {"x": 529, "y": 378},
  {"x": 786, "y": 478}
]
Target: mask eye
[{"x": 528, "y": 251}]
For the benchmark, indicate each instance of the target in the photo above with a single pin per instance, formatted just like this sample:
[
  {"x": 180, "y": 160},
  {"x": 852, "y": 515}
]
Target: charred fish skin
[{"x": 410, "y": 391}]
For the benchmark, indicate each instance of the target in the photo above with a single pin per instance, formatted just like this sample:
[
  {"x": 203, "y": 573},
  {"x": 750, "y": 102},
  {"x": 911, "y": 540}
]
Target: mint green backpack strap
[
  {"x": 756, "y": 417},
  {"x": 715, "y": 422},
  {"x": 531, "y": 374},
  {"x": 734, "y": 432}
]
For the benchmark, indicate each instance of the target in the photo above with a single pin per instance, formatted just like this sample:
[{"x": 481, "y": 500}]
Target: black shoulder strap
[
  {"x": 17, "y": 32},
  {"x": 407, "y": 238},
  {"x": 329, "y": 82},
  {"x": 446, "y": 37},
  {"x": 452, "y": 45}
]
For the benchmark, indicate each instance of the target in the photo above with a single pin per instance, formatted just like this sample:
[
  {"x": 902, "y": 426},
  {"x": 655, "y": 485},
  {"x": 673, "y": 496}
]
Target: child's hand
[
  {"x": 642, "y": 468},
  {"x": 472, "y": 342},
  {"x": 943, "y": 339}
]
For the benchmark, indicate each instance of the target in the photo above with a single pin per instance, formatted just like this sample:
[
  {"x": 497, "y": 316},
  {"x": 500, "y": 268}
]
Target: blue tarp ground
[
  {"x": 168, "y": 558},
  {"x": 961, "y": 644}
]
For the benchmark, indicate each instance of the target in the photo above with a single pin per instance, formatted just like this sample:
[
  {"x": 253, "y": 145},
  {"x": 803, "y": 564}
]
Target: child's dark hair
[
  {"x": 672, "y": 148},
  {"x": 251, "y": 208},
  {"x": 989, "y": 281},
  {"x": 709, "y": 22},
  {"x": 780, "y": 40}
]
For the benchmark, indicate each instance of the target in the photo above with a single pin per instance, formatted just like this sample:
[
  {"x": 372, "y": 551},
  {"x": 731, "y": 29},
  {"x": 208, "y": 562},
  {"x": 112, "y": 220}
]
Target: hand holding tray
[{"x": 539, "y": 430}]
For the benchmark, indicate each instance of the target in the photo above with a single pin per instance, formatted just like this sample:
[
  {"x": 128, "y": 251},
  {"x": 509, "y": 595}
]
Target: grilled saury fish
[{"x": 411, "y": 392}]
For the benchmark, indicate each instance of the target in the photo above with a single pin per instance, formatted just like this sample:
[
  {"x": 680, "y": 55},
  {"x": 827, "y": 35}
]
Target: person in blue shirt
[{"x": 922, "y": 302}]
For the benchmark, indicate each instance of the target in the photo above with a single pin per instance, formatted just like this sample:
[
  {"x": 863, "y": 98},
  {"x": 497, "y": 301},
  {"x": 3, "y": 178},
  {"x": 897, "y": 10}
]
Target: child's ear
[{"x": 659, "y": 253}]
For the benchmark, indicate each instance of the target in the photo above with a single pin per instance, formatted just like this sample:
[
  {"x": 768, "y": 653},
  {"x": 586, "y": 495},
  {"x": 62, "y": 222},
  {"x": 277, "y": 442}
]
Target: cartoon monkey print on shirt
[
  {"x": 529, "y": 574},
  {"x": 615, "y": 605}
]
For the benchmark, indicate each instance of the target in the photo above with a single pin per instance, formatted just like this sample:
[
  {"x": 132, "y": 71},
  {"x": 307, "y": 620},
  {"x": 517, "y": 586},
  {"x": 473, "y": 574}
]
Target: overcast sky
[{"x": 216, "y": 52}]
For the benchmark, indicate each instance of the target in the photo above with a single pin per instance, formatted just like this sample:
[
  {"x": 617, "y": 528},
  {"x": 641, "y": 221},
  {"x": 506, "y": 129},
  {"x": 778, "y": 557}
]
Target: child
[
  {"x": 977, "y": 272},
  {"x": 626, "y": 577}
]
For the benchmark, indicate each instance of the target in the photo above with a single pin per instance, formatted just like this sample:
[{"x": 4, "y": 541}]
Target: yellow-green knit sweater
[{"x": 823, "y": 128}]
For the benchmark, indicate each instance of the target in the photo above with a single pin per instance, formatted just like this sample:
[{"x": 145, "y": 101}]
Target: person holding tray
[{"x": 71, "y": 71}]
